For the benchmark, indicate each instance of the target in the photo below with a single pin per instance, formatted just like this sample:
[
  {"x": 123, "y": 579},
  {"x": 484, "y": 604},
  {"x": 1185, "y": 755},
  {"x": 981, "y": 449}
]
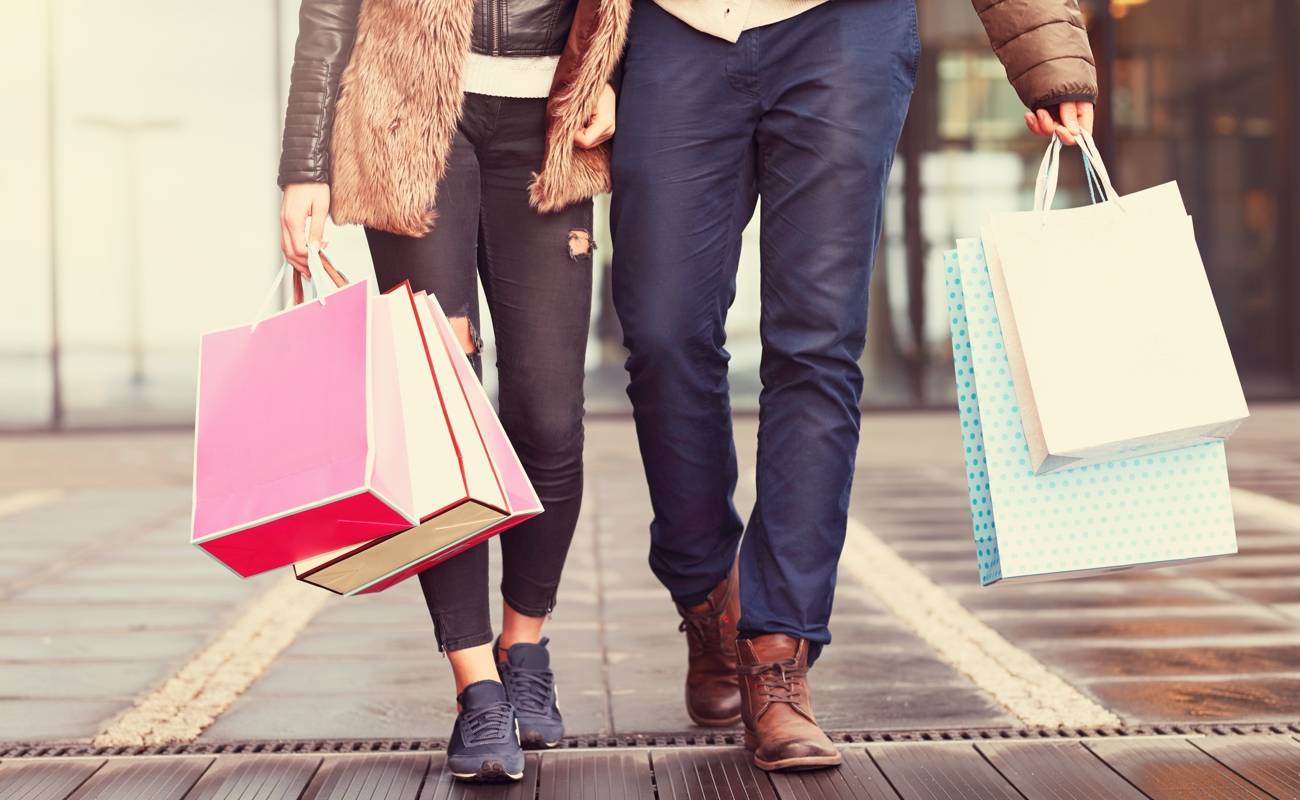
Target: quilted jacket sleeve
[
  {"x": 1044, "y": 46},
  {"x": 326, "y": 30}
]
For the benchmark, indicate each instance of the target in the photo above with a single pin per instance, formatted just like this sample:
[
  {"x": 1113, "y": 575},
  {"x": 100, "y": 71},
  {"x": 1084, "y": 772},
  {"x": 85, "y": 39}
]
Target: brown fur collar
[
  {"x": 400, "y": 101},
  {"x": 596, "y": 41}
]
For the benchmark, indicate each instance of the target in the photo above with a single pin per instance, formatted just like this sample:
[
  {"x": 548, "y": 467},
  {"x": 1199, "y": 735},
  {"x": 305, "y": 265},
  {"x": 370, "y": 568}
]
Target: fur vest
[{"x": 400, "y": 101}]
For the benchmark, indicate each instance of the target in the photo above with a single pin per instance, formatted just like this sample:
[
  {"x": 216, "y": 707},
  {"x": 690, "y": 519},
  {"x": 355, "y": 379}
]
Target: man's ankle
[{"x": 698, "y": 608}]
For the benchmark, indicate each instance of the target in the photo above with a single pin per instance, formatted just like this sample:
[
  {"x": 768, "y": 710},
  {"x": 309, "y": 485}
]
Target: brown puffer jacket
[{"x": 1044, "y": 46}]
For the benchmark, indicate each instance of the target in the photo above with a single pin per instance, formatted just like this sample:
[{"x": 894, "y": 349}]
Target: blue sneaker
[
  {"x": 484, "y": 745},
  {"x": 530, "y": 684}
]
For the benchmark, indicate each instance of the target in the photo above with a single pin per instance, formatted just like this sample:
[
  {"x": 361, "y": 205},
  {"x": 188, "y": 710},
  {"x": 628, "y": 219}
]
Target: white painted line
[
  {"x": 1029, "y": 691},
  {"x": 22, "y": 501},
  {"x": 1275, "y": 512},
  {"x": 192, "y": 699}
]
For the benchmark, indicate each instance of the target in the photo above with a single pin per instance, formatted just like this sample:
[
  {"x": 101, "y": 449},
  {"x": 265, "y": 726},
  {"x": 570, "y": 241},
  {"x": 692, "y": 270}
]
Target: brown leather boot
[
  {"x": 712, "y": 687},
  {"x": 780, "y": 729}
]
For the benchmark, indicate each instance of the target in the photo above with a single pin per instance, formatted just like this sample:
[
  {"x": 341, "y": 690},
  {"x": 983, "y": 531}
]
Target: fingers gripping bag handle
[
  {"x": 1100, "y": 187},
  {"x": 323, "y": 274}
]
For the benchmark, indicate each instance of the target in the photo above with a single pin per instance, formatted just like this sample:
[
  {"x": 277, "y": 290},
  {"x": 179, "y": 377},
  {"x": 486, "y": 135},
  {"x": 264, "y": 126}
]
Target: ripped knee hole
[
  {"x": 580, "y": 243},
  {"x": 466, "y": 334}
]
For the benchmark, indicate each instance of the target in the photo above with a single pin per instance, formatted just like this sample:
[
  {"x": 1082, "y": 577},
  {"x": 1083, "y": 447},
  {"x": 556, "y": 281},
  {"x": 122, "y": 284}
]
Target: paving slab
[
  {"x": 146, "y": 645},
  {"x": 25, "y": 719},
  {"x": 1252, "y": 698}
]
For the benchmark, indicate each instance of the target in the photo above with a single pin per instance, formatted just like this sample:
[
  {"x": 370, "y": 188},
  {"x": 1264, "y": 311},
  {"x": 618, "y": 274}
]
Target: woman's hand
[
  {"x": 601, "y": 125},
  {"x": 1074, "y": 116},
  {"x": 302, "y": 201}
]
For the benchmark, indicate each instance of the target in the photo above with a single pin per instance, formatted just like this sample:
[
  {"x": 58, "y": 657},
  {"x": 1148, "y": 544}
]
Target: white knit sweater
[{"x": 515, "y": 76}]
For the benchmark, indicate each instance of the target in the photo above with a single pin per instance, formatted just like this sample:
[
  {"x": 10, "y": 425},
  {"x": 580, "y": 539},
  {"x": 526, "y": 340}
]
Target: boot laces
[
  {"x": 488, "y": 724},
  {"x": 778, "y": 681},
  {"x": 705, "y": 628}
]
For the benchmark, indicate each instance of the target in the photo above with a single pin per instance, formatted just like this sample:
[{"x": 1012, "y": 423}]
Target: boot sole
[
  {"x": 535, "y": 741},
  {"x": 705, "y": 722},
  {"x": 798, "y": 764}
]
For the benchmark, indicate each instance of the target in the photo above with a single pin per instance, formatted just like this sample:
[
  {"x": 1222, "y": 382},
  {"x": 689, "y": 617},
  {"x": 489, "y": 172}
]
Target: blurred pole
[
  {"x": 277, "y": 74},
  {"x": 279, "y": 97},
  {"x": 51, "y": 118},
  {"x": 909, "y": 150},
  {"x": 1106, "y": 49},
  {"x": 130, "y": 132},
  {"x": 1286, "y": 141}
]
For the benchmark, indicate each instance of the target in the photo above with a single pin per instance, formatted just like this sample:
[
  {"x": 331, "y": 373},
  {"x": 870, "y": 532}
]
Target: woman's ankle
[
  {"x": 517, "y": 628},
  {"x": 473, "y": 664}
]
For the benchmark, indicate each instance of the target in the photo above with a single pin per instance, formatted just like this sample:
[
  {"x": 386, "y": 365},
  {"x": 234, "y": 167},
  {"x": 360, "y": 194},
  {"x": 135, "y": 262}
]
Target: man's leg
[
  {"x": 683, "y": 192},
  {"x": 835, "y": 83}
]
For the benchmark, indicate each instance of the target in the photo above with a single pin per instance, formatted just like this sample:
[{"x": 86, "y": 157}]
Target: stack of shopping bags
[
  {"x": 1094, "y": 382},
  {"x": 348, "y": 436}
]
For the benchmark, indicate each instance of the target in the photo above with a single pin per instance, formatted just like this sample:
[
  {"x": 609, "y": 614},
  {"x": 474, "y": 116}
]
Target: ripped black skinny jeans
[{"x": 536, "y": 274}]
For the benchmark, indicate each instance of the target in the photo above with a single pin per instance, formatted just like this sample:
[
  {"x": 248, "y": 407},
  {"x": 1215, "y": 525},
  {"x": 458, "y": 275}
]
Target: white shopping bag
[{"x": 1112, "y": 334}]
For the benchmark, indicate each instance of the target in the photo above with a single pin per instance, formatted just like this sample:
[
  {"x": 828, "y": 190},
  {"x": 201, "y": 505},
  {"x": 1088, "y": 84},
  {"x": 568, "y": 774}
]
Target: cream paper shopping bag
[
  {"x": 456, "y": 490},
  {"x": 1112, "y": 334}
]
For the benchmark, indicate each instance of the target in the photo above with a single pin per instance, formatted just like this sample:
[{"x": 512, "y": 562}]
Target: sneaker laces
[
  {"x": 488, "y": 724},
  {"x": 530, "y": 689}
]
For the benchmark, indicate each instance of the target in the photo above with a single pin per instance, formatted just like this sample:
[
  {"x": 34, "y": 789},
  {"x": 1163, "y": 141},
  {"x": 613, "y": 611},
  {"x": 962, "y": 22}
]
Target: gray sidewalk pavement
[{"x": 102, "y": 600}]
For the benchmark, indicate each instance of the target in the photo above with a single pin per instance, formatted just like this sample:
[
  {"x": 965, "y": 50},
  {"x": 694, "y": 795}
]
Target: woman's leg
[
  {"x": 444, "y": 263},
  {"x": 537, "y": 272}
]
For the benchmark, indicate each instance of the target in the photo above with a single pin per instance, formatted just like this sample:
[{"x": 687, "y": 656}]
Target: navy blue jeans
[{"x": 806, "y": 114}]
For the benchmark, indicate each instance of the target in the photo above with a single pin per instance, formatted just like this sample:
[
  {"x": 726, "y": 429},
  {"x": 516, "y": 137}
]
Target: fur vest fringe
[{"x": 400, "y": 101}]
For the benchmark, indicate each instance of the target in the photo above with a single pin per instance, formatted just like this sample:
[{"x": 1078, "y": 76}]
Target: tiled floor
[{"x": 101, "y": 598}]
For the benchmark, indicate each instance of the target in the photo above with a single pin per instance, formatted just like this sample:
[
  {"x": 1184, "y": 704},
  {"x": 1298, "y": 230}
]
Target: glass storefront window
[{"x": 1199, "y": 92}]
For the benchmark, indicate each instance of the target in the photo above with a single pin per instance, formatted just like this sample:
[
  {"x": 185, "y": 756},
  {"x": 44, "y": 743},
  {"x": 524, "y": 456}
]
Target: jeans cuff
[
  {"x": 688, "y": 600},
  {"x": 814, "y": 647},
  {"x": 466, "y": 642},
  {"x": 529, "y": 610}
]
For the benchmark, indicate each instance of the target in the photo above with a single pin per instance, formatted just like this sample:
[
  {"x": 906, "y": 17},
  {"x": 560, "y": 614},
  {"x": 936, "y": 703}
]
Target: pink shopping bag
[
  {"x": 499, "y": 494},
  {"x": 299, "y": 445}
]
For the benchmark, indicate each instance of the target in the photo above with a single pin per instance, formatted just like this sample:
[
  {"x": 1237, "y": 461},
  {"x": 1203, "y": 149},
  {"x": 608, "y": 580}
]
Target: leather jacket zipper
[{"x": 496, "y": 26}]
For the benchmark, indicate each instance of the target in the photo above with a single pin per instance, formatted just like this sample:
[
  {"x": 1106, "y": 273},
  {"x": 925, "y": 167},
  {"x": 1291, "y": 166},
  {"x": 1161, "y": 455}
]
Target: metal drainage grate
[{"x": 689, "y": 739}]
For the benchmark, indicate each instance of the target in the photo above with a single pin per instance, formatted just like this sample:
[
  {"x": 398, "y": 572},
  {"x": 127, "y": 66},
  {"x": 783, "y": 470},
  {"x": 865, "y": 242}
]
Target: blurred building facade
[{"x": 138, "y": 206}]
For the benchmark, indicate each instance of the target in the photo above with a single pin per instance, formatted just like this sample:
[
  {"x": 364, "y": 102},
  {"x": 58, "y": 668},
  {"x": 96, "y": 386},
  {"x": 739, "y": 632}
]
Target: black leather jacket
[
  {"x": 326, "y": 30},
  {"x": 522, "y": 27}
]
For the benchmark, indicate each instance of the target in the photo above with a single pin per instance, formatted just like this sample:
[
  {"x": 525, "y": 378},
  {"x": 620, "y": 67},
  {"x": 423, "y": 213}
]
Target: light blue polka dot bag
[{"x": 1150, "y": 510}]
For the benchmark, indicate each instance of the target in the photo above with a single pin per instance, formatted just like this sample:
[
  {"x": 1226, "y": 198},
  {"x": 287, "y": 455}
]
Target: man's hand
[
  {"x": 302, "y": 201},
  {"x": 601, "y": 125},
  {"x": 1073, "y": 116}
]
